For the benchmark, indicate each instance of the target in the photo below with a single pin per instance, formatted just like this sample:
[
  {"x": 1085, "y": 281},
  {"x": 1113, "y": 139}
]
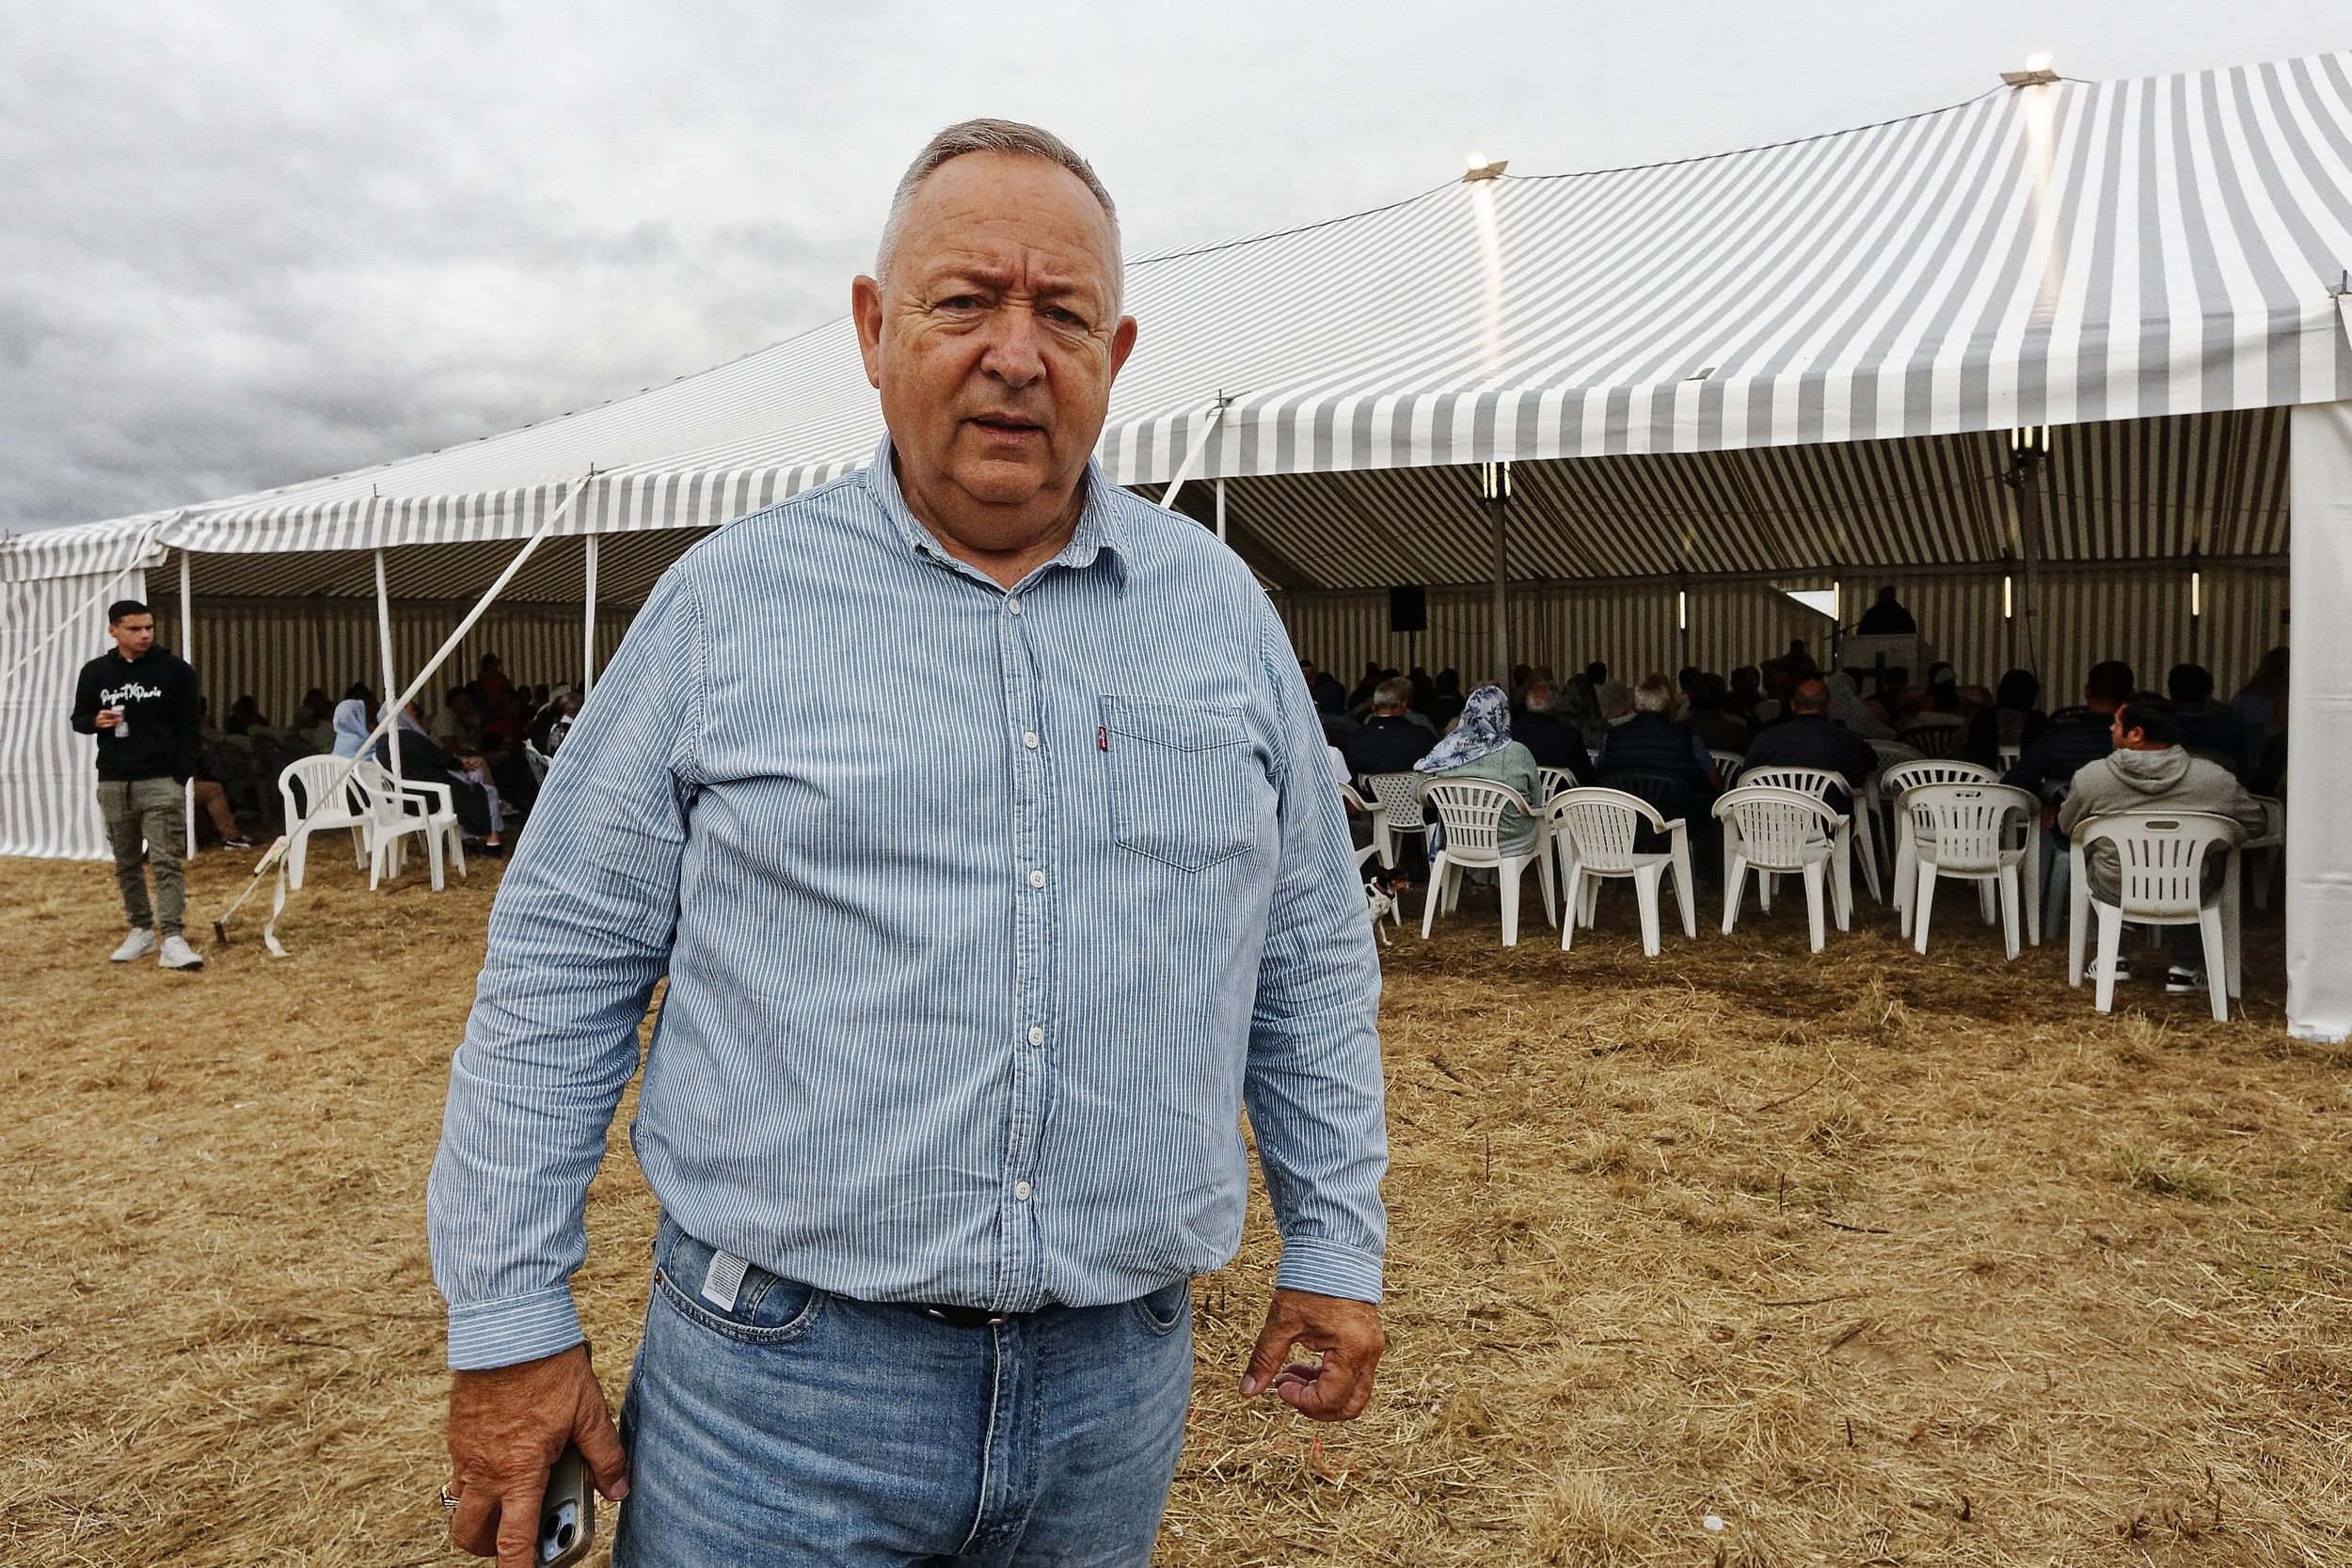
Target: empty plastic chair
[
  {"x": 1594, "y": 832},
  {"x": 1727, "y": 764},
  {"x": 304, "y": 786},
  {"x": 1554, "y": 779},
  {"x": 1908, "y": 775},
  {"x": 2161, "y": 871},
  {"x": 1978, "y": 833},
  {"x": 1774, "y": 832},
  {"x": 1821, "y": 781},
  {"x": 1472, "y": 812},
  {"x": 1400, "y": 814}
]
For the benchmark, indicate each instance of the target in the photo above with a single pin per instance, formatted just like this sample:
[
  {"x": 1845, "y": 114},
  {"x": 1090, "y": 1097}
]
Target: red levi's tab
[{"x": 1103, "y": 738}]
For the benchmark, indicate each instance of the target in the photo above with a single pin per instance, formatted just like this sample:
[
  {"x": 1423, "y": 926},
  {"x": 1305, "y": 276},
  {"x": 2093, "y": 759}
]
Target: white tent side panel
[
  {"x": 48, "y": 774},
  {"x": 2319, "y": 704}
]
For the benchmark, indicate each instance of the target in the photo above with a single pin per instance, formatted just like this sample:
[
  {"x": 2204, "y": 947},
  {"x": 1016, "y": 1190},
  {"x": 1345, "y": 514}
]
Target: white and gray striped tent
[{"x": 1795, "y": 366}]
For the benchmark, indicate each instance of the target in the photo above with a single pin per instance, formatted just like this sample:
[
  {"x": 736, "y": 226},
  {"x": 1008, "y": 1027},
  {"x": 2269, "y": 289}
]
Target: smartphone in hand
[{"x": 567, "y": 1513}]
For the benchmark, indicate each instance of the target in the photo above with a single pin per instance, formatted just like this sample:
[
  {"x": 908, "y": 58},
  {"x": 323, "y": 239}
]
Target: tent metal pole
[
  {"x": 1221, "y": 512},
  {"x": 588, "y": 632},
  {"x": 2028, "y": 455},
  {"x": 187, "y": 653},
  {"x": 1499, "y": 501},
  {"x": 384, "y": 645}
]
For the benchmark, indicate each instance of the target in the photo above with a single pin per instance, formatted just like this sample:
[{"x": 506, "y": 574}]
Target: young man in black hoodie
[{"x": 141, "y": 704}]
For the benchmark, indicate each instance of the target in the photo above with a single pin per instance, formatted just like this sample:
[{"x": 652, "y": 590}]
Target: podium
[{"x": 1902, "y": 651}]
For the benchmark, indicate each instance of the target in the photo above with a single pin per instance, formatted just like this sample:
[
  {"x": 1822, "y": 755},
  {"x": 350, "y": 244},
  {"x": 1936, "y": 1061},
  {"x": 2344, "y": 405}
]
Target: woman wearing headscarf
[
  {"x": 1481, "y": 747},
  {"x": 351, "y": 720}
]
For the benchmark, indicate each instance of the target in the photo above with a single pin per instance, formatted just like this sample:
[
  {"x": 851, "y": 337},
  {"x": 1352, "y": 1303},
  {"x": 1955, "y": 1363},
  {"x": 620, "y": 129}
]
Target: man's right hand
[
  {"x": 507, "y": 1426},
  {"x": 107, "y": 717}
]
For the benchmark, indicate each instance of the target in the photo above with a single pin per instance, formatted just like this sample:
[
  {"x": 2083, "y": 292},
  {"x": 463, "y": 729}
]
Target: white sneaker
[
  {"x": 177, "y": 954},
  {"x": 138, "y": 944}
]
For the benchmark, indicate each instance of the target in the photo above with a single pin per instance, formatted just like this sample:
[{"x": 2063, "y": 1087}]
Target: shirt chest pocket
[{"x": 1184, "y": 782}]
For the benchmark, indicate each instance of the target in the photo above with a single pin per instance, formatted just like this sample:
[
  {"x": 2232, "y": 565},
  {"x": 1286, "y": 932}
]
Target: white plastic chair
[
  {"x": 1554, "y": 779},
  {"x": 1400, "y": 812},
  {"x": 1774, "y": 832},
  {"x": 2161, "y": 865},
  {"x": 1981, "y": 833},
  {"x": 1471, "y": 812},
  {"x": 1821, "y": 782},
  {"x": 316, "y": 776},
  {"x": 2011, "y": 756},
  {"x": 2268, "y": 845},
  {"x": 1594, "y": 832},
  {"x": 398, "y": 809},
  {"x": 444, "y": 837},
  {"x": 1375, "y": 902},
  {"x": 1727, "y": 764},
  {"x": 1909, "y": 775}
]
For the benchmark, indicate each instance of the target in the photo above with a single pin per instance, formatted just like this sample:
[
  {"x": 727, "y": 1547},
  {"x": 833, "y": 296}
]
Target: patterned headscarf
[{"x": 1485, "y": 725}]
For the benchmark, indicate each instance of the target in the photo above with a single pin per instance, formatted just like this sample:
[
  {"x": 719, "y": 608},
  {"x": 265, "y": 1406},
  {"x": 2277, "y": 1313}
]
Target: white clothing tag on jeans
[{"x": 722, "y": 1279}]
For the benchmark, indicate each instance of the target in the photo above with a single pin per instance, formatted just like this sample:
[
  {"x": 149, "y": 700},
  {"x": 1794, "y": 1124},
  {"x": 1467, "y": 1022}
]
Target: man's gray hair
[
  {"x": 987, "y": 135},
  {"x": 1397, "y": 691},
  {"x": 1656, "y": 695}
]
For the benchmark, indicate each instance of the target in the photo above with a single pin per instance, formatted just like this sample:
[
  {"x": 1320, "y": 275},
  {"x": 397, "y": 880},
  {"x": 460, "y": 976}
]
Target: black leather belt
[{"x": 967, "y": 1317}]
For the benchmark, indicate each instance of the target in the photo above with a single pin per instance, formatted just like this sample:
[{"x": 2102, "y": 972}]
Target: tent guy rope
[{"x": 275, "y": 861}]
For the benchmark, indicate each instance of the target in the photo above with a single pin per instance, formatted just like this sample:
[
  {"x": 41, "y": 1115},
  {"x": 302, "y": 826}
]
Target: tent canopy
[{"x": 2060, "y": 255}]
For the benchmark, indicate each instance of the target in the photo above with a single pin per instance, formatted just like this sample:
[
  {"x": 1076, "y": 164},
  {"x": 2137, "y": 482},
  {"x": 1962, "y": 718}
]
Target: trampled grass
[{"x": 1870, "y": 1259}]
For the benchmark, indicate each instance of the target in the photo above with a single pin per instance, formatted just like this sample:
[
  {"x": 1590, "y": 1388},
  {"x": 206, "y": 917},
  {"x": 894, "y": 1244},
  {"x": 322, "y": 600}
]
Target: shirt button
[
  {"x": 1036, "y": 878},
  {"x": 1013, "y": 604},
  {"x": 1037, "y": 1036},
  {"x": 1021, "y": 1191},
  {"x": 1029, "y": 738}
]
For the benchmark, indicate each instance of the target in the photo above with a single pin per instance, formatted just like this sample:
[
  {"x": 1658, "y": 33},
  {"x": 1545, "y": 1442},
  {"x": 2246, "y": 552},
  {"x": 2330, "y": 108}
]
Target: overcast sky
[{"x": 249, "y": 243}]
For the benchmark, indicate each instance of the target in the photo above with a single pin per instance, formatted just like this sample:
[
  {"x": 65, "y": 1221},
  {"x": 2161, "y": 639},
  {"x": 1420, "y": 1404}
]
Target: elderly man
[
  {"x": 1811, "y": 739},
  {"x": 942, "y": 1110}
]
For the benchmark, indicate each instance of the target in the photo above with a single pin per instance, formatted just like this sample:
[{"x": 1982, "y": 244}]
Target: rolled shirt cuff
[
  {"x": 1328, "y": 1268},
  {"x": 520, "y": 1328}
]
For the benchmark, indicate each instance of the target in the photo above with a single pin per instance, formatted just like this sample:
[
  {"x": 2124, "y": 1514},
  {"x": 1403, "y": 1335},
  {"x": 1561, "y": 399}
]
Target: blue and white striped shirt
[{"x": 984, "y": 914}]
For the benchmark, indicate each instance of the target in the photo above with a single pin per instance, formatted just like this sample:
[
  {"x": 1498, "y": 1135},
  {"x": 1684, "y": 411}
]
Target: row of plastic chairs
[
  {"x": 1953, "y": 822},
  {"x": 381, "y": 813}
]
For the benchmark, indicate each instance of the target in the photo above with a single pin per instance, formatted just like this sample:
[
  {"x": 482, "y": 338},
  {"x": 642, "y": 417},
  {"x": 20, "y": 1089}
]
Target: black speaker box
[{"x": 1409, "y": 609}]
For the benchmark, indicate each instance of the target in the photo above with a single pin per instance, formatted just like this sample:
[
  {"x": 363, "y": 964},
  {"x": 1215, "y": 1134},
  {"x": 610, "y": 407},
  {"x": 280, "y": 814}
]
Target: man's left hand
[{"x": 1349, "y": 1338}]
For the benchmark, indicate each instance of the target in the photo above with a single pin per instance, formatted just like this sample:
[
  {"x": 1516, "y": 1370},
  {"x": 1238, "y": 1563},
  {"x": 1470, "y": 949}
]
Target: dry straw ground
[{"x": 1879, "y": 1261}]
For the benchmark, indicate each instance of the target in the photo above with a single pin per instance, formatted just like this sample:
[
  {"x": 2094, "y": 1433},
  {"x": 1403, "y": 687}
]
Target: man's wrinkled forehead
[{"x": 993, "y": 215}]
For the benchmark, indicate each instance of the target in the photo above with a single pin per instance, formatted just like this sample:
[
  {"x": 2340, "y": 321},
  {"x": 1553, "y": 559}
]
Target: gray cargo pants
[{"x": 148, "y": 808}]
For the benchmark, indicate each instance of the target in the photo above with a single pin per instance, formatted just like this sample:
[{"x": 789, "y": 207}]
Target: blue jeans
[{"x": 798, "y": 1428}]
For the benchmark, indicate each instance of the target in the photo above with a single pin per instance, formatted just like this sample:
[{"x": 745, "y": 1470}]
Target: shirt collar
[{"x": 1099, "y": 532}]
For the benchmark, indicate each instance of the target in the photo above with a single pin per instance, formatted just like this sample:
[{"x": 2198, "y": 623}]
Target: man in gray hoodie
[{"x": 2147, "y": 771}]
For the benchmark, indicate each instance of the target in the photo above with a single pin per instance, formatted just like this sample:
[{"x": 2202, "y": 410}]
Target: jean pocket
[
  {"x": 763, "y": 1309},
  {"x": 1164, "y": 1309},
  {"x": 1185, "y": 786}
]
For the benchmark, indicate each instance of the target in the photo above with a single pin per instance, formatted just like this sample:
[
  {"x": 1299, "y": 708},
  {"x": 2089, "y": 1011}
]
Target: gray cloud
[{"x": 246, "y": 244}]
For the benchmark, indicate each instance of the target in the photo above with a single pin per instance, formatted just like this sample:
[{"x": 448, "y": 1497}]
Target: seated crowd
[
  {"x": 488, "y": 741},
  {"x": 1665, "y": 739}
]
